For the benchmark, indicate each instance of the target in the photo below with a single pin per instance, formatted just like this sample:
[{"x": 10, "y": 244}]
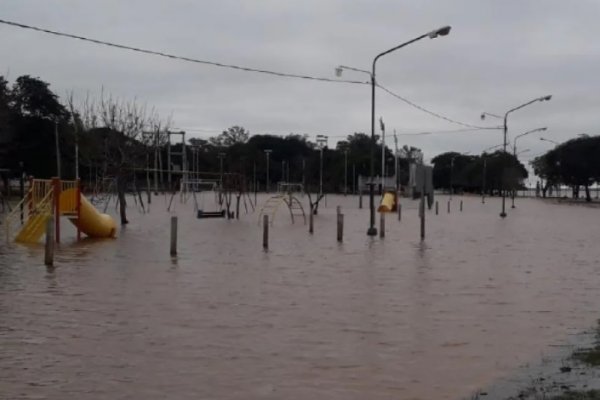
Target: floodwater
[{"x": 370, "y": 318}]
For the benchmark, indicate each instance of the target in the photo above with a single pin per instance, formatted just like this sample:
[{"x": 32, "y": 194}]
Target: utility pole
[
  {"x": 382, "y": 153},
  {"x": 396, "y": 166},
  {"x": 322, "y": 142},
  {"x": 267, "y": 153},
  {"x": 345, "y": 171},
  {"x": 57, "y": 148}
]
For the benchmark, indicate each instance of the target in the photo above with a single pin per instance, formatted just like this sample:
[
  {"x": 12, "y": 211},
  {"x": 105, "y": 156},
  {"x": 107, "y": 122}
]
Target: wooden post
[
  {"x": 78, "y": 207},
  {"x": 399, "y": 211},
  {"x": 338, "y": 210},
  {"x": 311, "y": 218},
  {"x": 174, "y": 236},
  {"x": 437, "y": 207},
  {"x": 382, "y": 225},
  {"x": 237, "y": 207},
  {"x": 360, "y": 199},
  {"x": 265, "y": 232},
  {"x": 461, "y": 205},
  {"x": 56, "y": 201},
  {"x": 448, "y": 206},
  {"x": 340, "y": 227},
  {"x": 49, "y": 250}
]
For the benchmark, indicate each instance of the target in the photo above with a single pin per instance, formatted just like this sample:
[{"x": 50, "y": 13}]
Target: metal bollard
[
  {"x": 266, "y": 232},
  {"x": 49, "y": 250},
  {"x": 382, "y": 225},
  {"x": 173, "y": 236}
]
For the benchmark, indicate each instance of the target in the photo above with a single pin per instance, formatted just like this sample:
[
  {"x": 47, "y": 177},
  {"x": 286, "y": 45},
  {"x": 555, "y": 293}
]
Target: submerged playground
[{"x": 392, "y": 317}]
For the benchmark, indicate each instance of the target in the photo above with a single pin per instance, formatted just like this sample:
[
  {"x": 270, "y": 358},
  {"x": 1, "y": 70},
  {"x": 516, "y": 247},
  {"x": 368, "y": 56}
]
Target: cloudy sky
[{"x": 498, "y": 55}]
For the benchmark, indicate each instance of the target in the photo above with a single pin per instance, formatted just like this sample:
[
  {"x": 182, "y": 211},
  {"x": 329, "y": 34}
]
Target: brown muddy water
[{"x": 370, "y": 318}]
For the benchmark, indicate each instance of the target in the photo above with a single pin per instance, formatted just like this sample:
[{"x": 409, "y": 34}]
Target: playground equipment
[
  {"x": 46, "y": 198},
  {"x": 389, "y": 202},
  {"x": 273, "y": 203}
]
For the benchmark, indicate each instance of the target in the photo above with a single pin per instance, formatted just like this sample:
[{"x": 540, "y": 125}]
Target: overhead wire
[{"x": 235, "y": 67}]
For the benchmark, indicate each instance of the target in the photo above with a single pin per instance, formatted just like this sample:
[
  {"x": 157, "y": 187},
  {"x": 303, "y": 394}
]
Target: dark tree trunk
[
  {"x": 588, "y": 198},
  {"x": 121, "y": 185}
]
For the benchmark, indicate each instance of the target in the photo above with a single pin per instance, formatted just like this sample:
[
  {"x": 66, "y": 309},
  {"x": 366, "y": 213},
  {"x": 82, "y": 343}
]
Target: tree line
[{"x": 574, "y": 163}]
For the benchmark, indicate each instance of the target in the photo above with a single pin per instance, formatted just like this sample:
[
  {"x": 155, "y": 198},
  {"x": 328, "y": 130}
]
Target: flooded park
[{"x": 368, "y": 318}]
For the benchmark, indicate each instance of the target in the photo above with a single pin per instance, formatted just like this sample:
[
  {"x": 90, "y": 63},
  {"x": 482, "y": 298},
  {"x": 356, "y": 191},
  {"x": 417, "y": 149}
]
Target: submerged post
[
  {"x": 382, "y": 225},
  {"x": 174, "y": 236},
  {"x": 311, "y": 219},
  {"x": 422, "y": 215},
  {"x": 399, "y": 211},
  {"x": 461, "y": 205},
  {"x": 448, "y": 206},
  {"x": 49, "y": 250},
  {"x": 360, "y": 199},
  {"x": 437, "y": 207},
  {"x": 265, "y": 232},
  {"x": 340, "y": 227}
]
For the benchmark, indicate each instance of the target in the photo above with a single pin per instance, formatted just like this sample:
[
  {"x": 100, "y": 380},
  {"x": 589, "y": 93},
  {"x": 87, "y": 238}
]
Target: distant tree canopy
[
  {"x": 502, "y": 171},
  {"x": 574, "y": 163}
]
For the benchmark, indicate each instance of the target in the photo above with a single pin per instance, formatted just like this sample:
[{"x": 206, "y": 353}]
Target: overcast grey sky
[{"x": 498, "y": 55}]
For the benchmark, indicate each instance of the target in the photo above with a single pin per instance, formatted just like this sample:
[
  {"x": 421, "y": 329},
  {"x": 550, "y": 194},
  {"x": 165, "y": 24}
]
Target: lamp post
[
  {"x": 321, "y": 142},
  {"x": 483, "y": 115},
  {"x": 372, "y": 231},
  {"x": 267, "y": 154},
  {"x": 382, "y": 126},
  {"x": 483, "y": 155},
  {"x": 550, "y": 141},
  {"x": 515, "y": 155}
]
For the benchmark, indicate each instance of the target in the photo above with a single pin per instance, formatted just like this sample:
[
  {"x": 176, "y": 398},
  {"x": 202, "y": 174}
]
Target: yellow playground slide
[{"x": 91, "y": 221}]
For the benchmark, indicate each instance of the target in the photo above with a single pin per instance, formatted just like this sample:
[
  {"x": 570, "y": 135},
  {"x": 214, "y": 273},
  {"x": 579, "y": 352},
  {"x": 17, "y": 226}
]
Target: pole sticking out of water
[
  {"x": 399, "y": 211},
  {"x": 340, "y": 227},
  {"x": 437, "y": 207},
  {"x": 311, "y": 223},
  {"x": 360, "y": 200},
  {"x": 382, "y": 225},
  {"x": 173, "y": 235},
  {"x": 49, "y": 250},
  {"x": 448, "y": 206},
  {"x": 265, "y": 232},
  {"x": 461, "y": 205},
  {"x": 422, "y": 214}
]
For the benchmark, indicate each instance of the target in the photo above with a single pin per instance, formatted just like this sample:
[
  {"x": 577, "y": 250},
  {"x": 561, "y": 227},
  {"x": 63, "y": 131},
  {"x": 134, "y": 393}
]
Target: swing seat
[{"x": 211, "y": 214}]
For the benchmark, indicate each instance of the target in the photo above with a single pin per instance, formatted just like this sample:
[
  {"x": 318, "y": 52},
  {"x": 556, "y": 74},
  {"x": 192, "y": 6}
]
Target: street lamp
[
  {"x": 483, "y": 115},
  {"x": 267, "y": 154},
  {"x": 372, "y": 231},
  {"x": 483, "y": 155},
  {"x": 515, "y": 155},
  {"x": 548, "y": 140},
  {"x": 321, "y": 142}
]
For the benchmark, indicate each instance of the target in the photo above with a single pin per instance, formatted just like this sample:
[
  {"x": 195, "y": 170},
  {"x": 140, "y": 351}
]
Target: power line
[
  {"x": 235, "y": 67},
  {"x": 418, "y": 107},
  {"x": 175, "y": 57}
]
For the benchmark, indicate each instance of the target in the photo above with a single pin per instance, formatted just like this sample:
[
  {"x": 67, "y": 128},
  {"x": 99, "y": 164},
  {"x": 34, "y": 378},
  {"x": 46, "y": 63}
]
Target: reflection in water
[{"x": 370, "y": 318}]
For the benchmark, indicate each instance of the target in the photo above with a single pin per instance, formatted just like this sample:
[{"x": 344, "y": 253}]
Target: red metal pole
[
  {"x": 78, "y": 202},
  {"x": 56, "y": 189}
]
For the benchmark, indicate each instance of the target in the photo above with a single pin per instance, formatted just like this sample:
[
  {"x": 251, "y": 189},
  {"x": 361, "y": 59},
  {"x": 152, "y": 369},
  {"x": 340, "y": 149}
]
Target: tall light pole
[
  {"x": 483, "y": 115},
  {"x": 397, "y": 177},
  {"x": 549, "y": 141},
  {"x": 382, "y": 126},
  {"x": 483, "y": 176},
  {"x": 372, "y": 231},
  {"x": 515, "y": 154},
  {"x": 267, "y": 154},
  {"x": 321, "y": 142}
]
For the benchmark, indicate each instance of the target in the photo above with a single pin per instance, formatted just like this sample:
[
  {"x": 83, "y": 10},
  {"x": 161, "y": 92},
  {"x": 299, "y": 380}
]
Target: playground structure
[
  {"x": 389, "y": 202},
  {"x": 47, "y": 198},
  {"x": 283, "y": 196}
]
